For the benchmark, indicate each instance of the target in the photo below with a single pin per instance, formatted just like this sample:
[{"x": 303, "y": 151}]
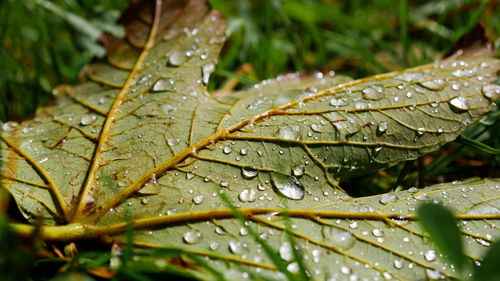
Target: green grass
[{"x": 46, "y": 43}]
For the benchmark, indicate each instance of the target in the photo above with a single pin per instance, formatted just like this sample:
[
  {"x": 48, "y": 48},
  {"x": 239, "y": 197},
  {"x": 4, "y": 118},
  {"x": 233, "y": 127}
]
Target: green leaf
[
  {"x": 489, "y": 269},
  {"x": 142, "y": 136},
  {"x": 442, "y": 227}
]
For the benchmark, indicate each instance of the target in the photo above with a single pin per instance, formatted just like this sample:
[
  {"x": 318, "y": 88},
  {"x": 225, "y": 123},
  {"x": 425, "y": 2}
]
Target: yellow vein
[
  {"x": 91, "y": 175},
  {"x": 44, "y": 174}
]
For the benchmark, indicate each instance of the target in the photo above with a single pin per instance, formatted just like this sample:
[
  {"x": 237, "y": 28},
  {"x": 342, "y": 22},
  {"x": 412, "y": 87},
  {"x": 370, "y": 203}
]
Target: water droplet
[
  {"x": 237, "y": 247},
  {"x": 285, "y": 251},
  {"x": 189, "y": 176},
  {"x": 288, "y": 186},
  {"x": 345, "y": 270},
  {"x": 455, "y": 87},
  {"x": 409, "y": 95},
  {"x": 164, "y": 85},
  {"x": 396, "y": 99},
  {"x": 224, "y": 183},
  {"x": 249, "y": 172},
  {"x": 430, "y": 255},
  {"x": 409, "y": 76},
  {"x": 316, "y": 128},
  {"x": 176, "y": 58},
  {"x": 434, "y": 274},
  {"x": 227, "y": 149},
  {"x": 491, "y": 91},
  {"x": 388, "y": 198},
  {"x": 247, "y": 195},
  {"x": 103, "y": 99},
  {"x": 207, "y": 70},
  {"x": 382, "y": 127},
  {"x": 373, "y": 93},
  {"x": 214, "y": 245},
  {"x": 435, "y": 85},
  {"x": 343, "y": 240},
  {"x": 440, "y": 130},
  {"x": 243, "y": 231},
  {"x": 192, "y": 237},
  {"x": 198, "y": 199},
  {"x": 144, "y": 201},
  {"x": 293, "y": 267},
  {"x": 88, "y": 119},
  {"x": 354, "y": 225},
  {"x": 298, "y": 171},
  {"x": 398, "y": 264},
  {"x": 338, "y": 102},
  {"x": 377, "y": 232},
  {"x": 288, "y": 132},
  {"x": 459, "y": 103},
  {"x": 244, "y": 151}
]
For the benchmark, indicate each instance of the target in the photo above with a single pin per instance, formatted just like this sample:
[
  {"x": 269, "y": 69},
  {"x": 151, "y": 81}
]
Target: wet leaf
[{"x": 142, "y": 137}]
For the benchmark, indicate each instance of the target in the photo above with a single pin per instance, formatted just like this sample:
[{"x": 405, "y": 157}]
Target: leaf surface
[{"x": 142, "y": 136}]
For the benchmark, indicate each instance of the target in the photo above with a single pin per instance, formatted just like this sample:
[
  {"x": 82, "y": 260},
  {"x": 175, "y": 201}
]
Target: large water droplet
[
  {"x": 88, "y": 119},
  {"x": 373, "y": 93},
  {"x": 164, "y": 85},
  {"x": 249, "y": 172},
  {"x": 288, "y": 132},
  {"x": 382, "y": 127},
  {"x": 192, "y": 236},
  {"x": 377, "y": 232},
  {"x": 388, "y": 198},
  {"x": 214, "y": 245},
  {"x": 409, "y": 76},
  {"x": 430, "y": 255},
  {"x": 433, "y": 274},
  {"x": 237, "y": 247},
  {"x": 227, "y": 149},
  {"x": 459, "y": 103},
  {"x": 176, "y": 58},
  {"x": 247, "y": 195},
  {"x": 288, "y": 186},
  {"x": 285, "y": 251},
  {"x": 338, "y": 102},
  {"x": 298, "y": 171},
  {"x": 207, "y": 70},
  {"x": 343, "y": 240},
  {"x": 398, "y": 264},
  {"x": 491, "y": 91},
  {"x": 435, "y": 85},
  {"x": 198, "y": 199}
]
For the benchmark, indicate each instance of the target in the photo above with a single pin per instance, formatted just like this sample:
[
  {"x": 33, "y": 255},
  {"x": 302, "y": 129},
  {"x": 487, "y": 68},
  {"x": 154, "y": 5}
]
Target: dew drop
[
  {"x": 293, "y": 267},
  {"x": 373, "y": 93},
  {"x": 224, "y": 183},
  {"x": 189, "y": 176},
  {"x": 316, "y": 128},
  {"x": 285, "y": 251},
  {"x": 247, "y": 195},
  {"x": 345, "y": 270},
  {"x": 198, "y": 199},
  {"x": 88, "y": 119},
  {"x": 435, "y": 85},
  {"x": 214, "y": 246},
  {"x": 236, "y": 247},
  {"x": 354, "y": 225},
  {"x": 434, "y": 274},
  {"x": 377, "y": 232},
  {"x": 243, "y": 151},
  {"x": 164, "y": 85},
  {"x": 455, "y": 87},
  {"x": 207, "y": 70},
  {"x": 298, "y": 171},
  {"x": 249, "y": 172},
  {"x": 398, "y": 264},
  {"x": 227, "y": 149},
  {"x": 430, "y": 255},
  {"x": 440, "y": 130},
  {"x": 382, "y": 127},
  {"x": 388, "y": 198},
  {"x": 343, "y": 240},
  {"x": 459, "y": 103},
  {"x": 288, "y": 186},
  {"x": 288, "y": 132},
  {"x": 176, "y": 58},
  {"x": 409, "y": 95},
  {"x": 338, "y": 102},
  {"x": 192, "y": 237},
  {"x": 491, "y": 91}
]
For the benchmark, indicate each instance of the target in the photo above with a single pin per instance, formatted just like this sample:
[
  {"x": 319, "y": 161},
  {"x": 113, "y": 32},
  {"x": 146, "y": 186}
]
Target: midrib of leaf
[
  {"x": 110, "y": 117},
  {"x": 192, "y": 150}
]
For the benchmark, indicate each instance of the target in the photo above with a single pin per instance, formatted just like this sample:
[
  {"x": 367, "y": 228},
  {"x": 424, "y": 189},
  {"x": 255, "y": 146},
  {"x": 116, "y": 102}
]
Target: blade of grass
[{"x": 477, "y": 145}]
